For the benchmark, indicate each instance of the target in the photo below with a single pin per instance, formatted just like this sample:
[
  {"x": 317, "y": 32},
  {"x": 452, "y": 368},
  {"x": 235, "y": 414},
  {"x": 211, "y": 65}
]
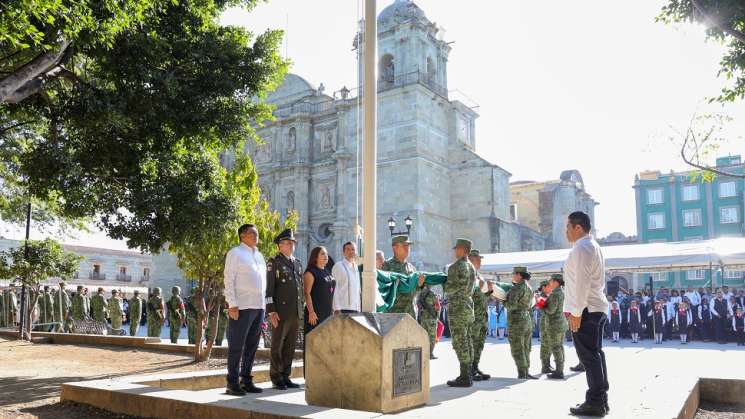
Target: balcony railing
[
  {"x": 390, "y": 82},
  {"x": 97, "y": 275},
  {"x": 144, "y": 278},
  {"x": 124, "y": 277}
]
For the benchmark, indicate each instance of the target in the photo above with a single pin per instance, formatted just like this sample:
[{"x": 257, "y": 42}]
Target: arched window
[
  {"x": 430, "y": 70},
  {"x": 387, "y": 69}
]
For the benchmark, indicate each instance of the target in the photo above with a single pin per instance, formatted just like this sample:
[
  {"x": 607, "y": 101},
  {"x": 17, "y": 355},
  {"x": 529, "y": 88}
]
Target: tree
[
  {"x": 725, "y": 21},
  {"x": 126, "y": 133},
  {"x": 46, "y": 259},
  {"x": 201, "y": 255}
]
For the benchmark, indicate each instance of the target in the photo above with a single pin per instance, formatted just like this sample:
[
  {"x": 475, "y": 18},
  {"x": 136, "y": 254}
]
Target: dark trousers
[
  {"x": 284, "y": 337},
  {"x": 740, "y": 334},
  {"x": 720, "y": 327},
  {"x": 243, "y": 339},
  {"x": 588, "y": 341},
  {"x": 349, "y": 311}
]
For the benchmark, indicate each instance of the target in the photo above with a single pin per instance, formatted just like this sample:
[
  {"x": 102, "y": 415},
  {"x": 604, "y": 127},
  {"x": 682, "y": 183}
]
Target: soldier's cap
[
  {"x": 519, "y": 270},
  {"x": 100, "y": 289},
  {"x": 137, "y": 292},
  {"x": 114, "y": 292},
  {"x": 464, "y": 243},
  {"x": 558, "y": 278},
  {"x": 401, "y": 239},
  {"x": 544, "y": 282},
  {"x": 62, "y": 283},
  {"x": 80, "y": 287},
  {"x": 475, "y": 253},
  {"x": 286, "y": 234}
]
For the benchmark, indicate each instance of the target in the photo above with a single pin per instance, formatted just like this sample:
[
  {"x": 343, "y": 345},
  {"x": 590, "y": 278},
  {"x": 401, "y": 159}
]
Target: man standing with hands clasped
[
  {"x": 245, "y": 287},
  {"x": 586, "y": 306},
  {"x": 284, "y": 303}
]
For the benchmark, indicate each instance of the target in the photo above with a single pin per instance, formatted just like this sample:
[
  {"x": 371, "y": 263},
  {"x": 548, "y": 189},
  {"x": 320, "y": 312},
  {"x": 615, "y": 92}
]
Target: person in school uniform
[
  {"x": 718, "y": 309},
  {"x": 703, "y": 320},
  {"x": 670, "y": 306},
  {"x": 659, "y": 318},
  {"x": 683, "y": 320},
  {"x": 738, "y": 326},
  {"x": 635, "y": 321},
  {"x": 615, "y": 321}
]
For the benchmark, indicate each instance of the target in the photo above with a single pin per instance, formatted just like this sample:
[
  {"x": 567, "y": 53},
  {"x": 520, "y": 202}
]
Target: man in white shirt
[
  {"x": 245, "y": 287},
  {"x": 347, "y": 292},
  {"x": 586, "y": 305},
  {"x": 694, "y": 298}
]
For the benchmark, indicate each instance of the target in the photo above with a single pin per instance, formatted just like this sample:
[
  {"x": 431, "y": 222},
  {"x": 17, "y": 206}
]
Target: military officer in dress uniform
[{"x": 284, "y": 305}]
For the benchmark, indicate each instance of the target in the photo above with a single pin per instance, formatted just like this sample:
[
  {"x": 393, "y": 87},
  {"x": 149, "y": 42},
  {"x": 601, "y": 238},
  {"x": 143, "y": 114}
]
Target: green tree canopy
[
  {"x": 129, "y": 130},
  {"x": 725, "y": 21}
]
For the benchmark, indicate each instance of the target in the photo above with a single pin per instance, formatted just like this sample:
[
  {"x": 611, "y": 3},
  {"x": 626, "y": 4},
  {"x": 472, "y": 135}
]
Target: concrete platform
[{"x": 647, "y": 381}]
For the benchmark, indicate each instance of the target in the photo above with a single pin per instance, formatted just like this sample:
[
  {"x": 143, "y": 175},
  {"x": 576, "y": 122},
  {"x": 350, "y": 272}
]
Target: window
[
  {"x": 693, "y": 238},
  {"x": 726, "y": 189},
  {"x": 513, "y": 212},
  {"x": 656, "y": 221},
  {"x": 728, "y": 215},
  {"x": 690, "y": 192},
  {"x": 692, "y": 217},
  {"x": 146, "y": 272},
  {"x": 730, "y": 274},
  {"x": 654, "y": 196},
  {"x": 123, "y": 270},
  {"x": 696, "y": 274},
  {"x": 97, "y": 269},
  {"x": 657, "y": 276}
]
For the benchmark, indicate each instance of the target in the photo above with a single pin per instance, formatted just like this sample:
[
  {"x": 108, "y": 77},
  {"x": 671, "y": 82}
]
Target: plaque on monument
[{"x": 407, "y": 371}]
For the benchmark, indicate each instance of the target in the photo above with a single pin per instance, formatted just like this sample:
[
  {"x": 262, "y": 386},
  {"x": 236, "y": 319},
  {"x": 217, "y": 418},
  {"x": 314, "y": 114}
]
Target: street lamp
[{"x": 408, "y": 222}]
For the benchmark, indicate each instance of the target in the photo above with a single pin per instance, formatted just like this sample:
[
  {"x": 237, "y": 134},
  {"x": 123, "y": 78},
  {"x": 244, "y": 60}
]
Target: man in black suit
[{"x": 284, "y": 305}]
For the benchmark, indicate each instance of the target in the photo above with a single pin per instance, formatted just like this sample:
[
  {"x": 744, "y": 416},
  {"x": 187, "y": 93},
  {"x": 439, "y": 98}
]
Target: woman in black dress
[{"x": 319, "y": 289}]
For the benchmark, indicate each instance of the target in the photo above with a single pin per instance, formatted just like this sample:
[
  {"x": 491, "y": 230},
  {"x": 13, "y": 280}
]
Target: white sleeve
[
  {"x": 342, "y": 283},
  {"x": 230, "y": 275},
  {"x": 577, "y": 268}
]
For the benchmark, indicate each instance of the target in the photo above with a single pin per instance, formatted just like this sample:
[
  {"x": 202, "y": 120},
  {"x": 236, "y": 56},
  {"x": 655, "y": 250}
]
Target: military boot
[
  {"x": 475, "y": 376},
  {"x": 464, "y": 379},
  {"x": 546, "y": 369},
  {"x": 483, "y": 375}
]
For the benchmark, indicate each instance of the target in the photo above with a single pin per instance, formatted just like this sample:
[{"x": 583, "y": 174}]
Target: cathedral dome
[{"x": 399, "y": 11}]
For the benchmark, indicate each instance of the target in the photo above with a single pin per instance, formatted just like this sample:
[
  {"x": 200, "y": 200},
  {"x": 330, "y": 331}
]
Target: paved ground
[{"x": 646, "y": 379}]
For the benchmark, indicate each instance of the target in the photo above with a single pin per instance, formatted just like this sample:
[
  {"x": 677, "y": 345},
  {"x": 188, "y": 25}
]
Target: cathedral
[{"x": 428, "y": 166}]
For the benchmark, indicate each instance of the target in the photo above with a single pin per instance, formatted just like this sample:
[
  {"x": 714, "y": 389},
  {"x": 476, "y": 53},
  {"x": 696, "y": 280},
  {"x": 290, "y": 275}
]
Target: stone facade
[
  {"x": 544, "y": 206},
  {"x": 428, "y": 167},
  {"x": 107, "y": 268}
]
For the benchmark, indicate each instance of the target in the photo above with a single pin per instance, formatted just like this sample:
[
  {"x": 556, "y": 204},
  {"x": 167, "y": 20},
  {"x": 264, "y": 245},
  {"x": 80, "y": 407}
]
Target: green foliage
[
  {"x": 725, "y": 22},
  {"x": 47, "y": 259},
  {"x": 131, "y": 137}
]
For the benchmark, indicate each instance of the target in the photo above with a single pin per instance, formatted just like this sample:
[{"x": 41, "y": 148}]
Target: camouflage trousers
[
  {"x": 154, "y": 327},
  {"x": 431, "y": 327},
  {"x": 520, "y": 329},
  {"x": 462, "y": 343},
  {"x": 191, "y": 329},
  {"x": 552, "y": 343},
  {"x": 175, "y": 329},
  {"x": 116, "y": 322},
  {"x": 134, "y": 326},
  {"x": 477, "y": 333}
]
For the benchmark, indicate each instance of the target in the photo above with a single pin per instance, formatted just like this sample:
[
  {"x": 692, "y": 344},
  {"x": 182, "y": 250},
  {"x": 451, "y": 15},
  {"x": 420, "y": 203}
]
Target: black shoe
[
  {"x": 475, "y": 376},
  {"x": 279, "y": 386},
  {"x": 578, "y": 368},
  {"x": 607, "y": 408},
  {"x": 530, "y": 377},
  {"x": 585, "y": 409},
  {"x": 432, "y": 356},
  {"x": 556, "y": 375},
  {"x": 464, "y": 379},
  {"x": 249, "y": 387},
  {"x": 483, "y": 375},
  {"x": 290, "y": 384},
  {"x": 234, "y": 390},
  {"x": 547, "y": 370}
]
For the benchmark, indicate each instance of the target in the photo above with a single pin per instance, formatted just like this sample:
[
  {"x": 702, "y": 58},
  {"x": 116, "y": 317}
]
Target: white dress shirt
[
  {"x": 584, "y": 278},
  {"x": 347, "y": 292},
  {"x": 245, "y": 278},
  {"x": 694, "y": 297}
]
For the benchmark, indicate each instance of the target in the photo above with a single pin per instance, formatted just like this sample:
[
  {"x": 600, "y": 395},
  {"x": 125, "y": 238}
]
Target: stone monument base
[{"x": 377, "y": 362}]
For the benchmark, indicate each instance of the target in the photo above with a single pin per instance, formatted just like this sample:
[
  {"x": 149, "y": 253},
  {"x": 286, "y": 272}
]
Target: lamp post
[{"x": 408, "y": 222}]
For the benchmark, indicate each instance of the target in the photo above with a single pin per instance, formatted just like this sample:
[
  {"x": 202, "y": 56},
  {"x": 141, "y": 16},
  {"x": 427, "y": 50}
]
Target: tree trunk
[
  {"x": 212, "y": 319},
  {"x": 26, "y": 80},
  {"x": 198, "y": 353}
]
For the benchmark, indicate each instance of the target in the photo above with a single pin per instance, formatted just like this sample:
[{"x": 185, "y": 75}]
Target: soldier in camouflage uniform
[
  {"x": 540, "y": 307},
  {"x": 155, "y": 314},
  {"x": 222, "y": 322},
  {"x": 480, "y": 324},
  {"x": 398, "y": 263},
  {"x": 46, "y": 309},
  {"x": 115, "y": 310},
  {"x": 429, "y": 311},
  {"x": 459, "y": 291},
  {"x": 556, "y": 326},
  {"x": 10, "y": 307},
  {"x": 62, "y": 310},
  {"x": 99, "y": 306},
  {"x": 136, "y": 304},
  {"x": 520, "y": 325},
  {"x": 79, "y": 305},
  {"x": 176, "y": 313},
  {"x": 191, "y": 317}
]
